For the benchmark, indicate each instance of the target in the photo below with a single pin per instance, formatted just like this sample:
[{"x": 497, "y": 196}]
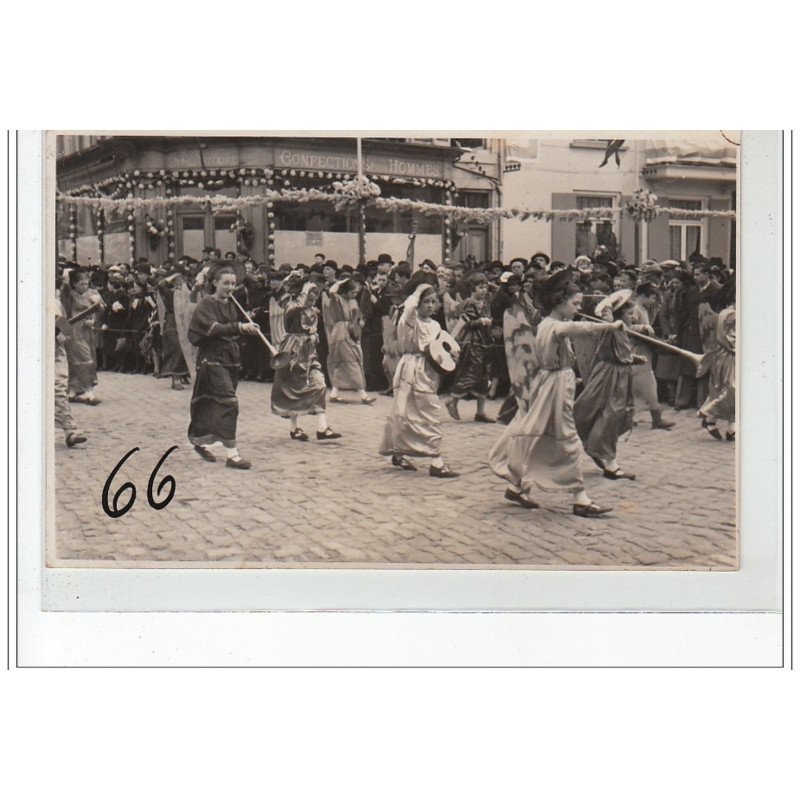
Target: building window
[
  {"x": 473, "y": 199},
  {"x": 475, "y": 144},
  {"x": 593, "y": 233},
  {"x": 196, "y": 230},
  {"x": 686, "y": 237}
]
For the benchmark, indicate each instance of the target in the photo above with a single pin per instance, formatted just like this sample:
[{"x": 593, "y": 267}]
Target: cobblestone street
[{"x": 340, "y": 502}]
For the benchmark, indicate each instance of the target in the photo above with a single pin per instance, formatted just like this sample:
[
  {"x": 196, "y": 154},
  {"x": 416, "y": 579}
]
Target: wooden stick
[
  {"x": 650, "y": 340},
  {"x": 272, "y": 350}
]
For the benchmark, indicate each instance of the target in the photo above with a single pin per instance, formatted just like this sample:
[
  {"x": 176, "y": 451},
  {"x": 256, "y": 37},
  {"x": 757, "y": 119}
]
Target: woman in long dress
[
  {"x": 541, "y": 447},
  {"x": 414, "y": 426},
  {"x": 174, "y": 364},
  {"x": 81, "y": 346},
  {"x": 299, "y": 385},
  {"x": 721, "y": 402},
  {"x": 345, "y": 359},
  {"x": 214, "y": 330},
  {"x": 604, "y": 410}
]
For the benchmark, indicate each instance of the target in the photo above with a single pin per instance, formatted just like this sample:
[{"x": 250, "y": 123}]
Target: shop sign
[{"x": 410, "y": 168}]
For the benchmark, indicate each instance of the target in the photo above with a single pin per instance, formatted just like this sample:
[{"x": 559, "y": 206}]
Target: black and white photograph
[{"x": 509, "y": 350}]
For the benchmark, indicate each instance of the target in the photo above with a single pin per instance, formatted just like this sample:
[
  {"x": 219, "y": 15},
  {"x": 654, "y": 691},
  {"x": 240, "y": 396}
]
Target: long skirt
[
  {"x": 345, "y": 359},
  {"x": 81, "y": 356},
  {"x": 473, "y": 371},
  {"x": 173, "y": 363},
  {"x": 541, "y": 447},
  {"x": 214, "y": 409},
  {"x": 721, "y": 402},
  {"x": 413, "y": 427},
  {"x": 604, "y": 411},
  {"x": 299, "y": 385}
]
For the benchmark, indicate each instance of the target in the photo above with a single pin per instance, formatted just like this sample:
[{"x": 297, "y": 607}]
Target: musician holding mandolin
[{"x": 414, "y": 426}]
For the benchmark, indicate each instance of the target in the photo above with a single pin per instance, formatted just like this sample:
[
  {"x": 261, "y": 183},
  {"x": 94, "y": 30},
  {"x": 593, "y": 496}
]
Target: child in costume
[
  {"x": 541, "y": 447},
  {"x": 299, "y": 385},
  {"x": 475, "y": 338},
  {"x": 604, "y": 410},
  {"x": 214, "y": 329},
  {"x": 413, "y": 427}
]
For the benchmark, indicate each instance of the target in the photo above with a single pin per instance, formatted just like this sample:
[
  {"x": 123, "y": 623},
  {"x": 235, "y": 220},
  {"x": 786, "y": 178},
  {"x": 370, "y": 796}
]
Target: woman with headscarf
[
  {"x": 345, "y": 359},
  {"x": 81, "y": 346},
  {"x": 299, "y": 385},
  {"x": 173, "y": 363},
  {"x": 414, "y": 425},
  {"x": 214, "y": 330},
  {"x": 541, "y": 446}
]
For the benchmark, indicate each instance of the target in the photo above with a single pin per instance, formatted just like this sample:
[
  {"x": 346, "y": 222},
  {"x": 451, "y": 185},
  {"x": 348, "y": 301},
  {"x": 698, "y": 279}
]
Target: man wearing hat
[
  {"x": 542, "y": 261},
  {"x": 385, "y": 258}
]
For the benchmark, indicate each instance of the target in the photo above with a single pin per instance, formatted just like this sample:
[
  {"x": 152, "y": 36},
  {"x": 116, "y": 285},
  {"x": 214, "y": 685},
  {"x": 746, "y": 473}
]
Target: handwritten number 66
[{"x": 114, "y": 510}]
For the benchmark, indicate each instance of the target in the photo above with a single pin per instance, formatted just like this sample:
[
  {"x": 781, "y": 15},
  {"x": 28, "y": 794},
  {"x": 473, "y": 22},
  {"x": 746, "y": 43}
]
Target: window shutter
[{"x": 562, "y": 231}]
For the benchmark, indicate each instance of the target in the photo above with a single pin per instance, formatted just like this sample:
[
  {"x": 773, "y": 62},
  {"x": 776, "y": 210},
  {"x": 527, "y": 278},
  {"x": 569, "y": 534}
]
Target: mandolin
[{"x": 442, "y": 353}]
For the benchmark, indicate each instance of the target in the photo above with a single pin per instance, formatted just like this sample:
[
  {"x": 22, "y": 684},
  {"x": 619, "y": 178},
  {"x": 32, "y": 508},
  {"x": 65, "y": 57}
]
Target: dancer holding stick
[{"x": 541, "y": 446}]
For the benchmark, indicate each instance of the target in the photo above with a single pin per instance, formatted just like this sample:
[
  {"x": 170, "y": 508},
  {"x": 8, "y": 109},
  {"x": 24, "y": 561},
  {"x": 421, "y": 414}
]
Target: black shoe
[
  {"x": 714, "y": 430},
  {"x": 591, "y": 510},
  {"x": 518, "y": 497},
  {"x": 730, "y": 436},
  {"x": 299, "y": 435},
  {"x": 238, "y": 463},
  {"x": 403, "y": 463},
  {"x": 618, "y": 474},
  {"x": 442, "y": 472},
  {"x": 328, "y": 434},
  {"x": 204, "y": 452},
  {"x": 75, "y": 438},
  {"x": 483, "y": 418}
]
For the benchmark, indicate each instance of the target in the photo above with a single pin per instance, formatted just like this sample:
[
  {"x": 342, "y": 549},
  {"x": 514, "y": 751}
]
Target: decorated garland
[
  {"x": 73, "y": 232},
  {"x": 170, "y": 217},
  {"x": 447, "y": 239},
  {"x": 122, "y": 186},
  {"x": 220, "y": 203},
  {"x": 101, "y": 243},
  {"x": 156, "y": 230},
  {"x": 132, "y": 232},
  {"x": 270, "y": 234}
]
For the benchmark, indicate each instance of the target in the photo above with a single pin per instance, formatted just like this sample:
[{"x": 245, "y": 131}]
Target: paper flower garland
[
  {"x": 156, "y": 230},
  {"x": 101, "y": 245},
  {"x": 73, "y": 232},
  {"x": 353, "y": 192}
]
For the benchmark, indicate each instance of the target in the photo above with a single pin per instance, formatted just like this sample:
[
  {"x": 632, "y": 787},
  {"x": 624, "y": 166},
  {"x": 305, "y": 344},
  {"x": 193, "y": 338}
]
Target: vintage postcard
[{"x": 505, "y": 350}]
